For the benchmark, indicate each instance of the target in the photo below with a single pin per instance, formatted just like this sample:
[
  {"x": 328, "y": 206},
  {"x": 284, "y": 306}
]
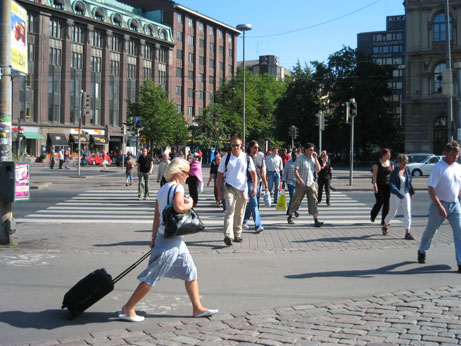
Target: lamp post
[{"x": 243, "y": 27}]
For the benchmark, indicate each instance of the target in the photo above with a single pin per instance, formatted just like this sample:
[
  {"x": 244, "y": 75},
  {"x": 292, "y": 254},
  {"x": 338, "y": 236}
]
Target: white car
[{"x": 424, "y": 167}]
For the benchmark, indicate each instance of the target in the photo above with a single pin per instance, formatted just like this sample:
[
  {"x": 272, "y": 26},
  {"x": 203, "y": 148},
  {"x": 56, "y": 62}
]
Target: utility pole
[
  {"x": 321, "y": 120},
  {"x": 449, "y": 70},
  {"x": 352, "y": 110},
  {"x": 7, "y": 222}
]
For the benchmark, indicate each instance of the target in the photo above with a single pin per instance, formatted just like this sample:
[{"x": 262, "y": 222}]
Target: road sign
[{"x": 142, "y": 140}]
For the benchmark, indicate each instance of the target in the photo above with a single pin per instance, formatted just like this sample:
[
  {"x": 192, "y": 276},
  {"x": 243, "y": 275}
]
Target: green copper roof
[{"x": 119, "y": 14}]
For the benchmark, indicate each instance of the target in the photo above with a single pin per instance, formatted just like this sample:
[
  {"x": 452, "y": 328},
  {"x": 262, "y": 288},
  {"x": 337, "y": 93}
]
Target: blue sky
[{"x": 318, "y": 27}]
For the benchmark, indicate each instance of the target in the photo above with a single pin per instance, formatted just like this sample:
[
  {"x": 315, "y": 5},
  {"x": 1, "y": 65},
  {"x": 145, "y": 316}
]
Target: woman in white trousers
[{"x": 401, "y": 194}]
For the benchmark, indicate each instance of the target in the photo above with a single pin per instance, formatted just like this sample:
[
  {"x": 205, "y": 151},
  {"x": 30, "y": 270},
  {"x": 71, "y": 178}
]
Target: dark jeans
[
  {"x": 324, "y": 182},
  {"x": 382, "y": 200},
  {"x": 193, "y": 184}
]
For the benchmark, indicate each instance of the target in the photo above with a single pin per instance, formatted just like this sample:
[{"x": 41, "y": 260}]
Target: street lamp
[{"x": 243, "y": 27}]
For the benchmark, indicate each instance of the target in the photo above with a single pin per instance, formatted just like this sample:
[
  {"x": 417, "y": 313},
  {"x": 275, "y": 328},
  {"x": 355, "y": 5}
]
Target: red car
[{"x": 97, "y": 159}]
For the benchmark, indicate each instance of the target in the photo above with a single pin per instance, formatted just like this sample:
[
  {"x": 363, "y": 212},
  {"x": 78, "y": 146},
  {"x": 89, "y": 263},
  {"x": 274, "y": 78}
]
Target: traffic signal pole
[{"x": 6, "y": 222}]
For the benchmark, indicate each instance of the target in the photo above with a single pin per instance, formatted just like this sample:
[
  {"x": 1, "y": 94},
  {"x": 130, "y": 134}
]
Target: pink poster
[{"x": 22, "y": 191}]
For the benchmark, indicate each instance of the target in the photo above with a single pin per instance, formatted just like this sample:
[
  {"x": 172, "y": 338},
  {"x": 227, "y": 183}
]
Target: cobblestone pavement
[
  {"x": 429, "y": 317},
  {"x": 425, "y": 317}
]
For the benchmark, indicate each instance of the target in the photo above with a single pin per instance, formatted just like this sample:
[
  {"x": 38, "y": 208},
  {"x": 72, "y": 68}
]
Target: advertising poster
[
  {"x": 22, "y": 187},
  {"x": 18, "y": 38}
]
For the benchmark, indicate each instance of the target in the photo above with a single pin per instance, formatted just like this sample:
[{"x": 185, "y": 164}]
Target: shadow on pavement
[
  {"x": 125, "y": 243},
  {"x": 51, "y": 318},
  {"x": 337, "y": 239},
  {"x": 369, "y": 273}
]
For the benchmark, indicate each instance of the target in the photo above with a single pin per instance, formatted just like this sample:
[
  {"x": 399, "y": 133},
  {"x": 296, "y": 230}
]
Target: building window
[
  {"x": 96, "y": 64},
  {"x": 54, "y": 86},
  {"x": 179, "y": 54},
  {"x": 230, "y": 53},
  {"x": 132, "y": 48},
  {"x": 220, "y": 34},
  {"x": 179, "y": 18},
  {"x": 178, "y": 72},
  {"x": 201, "y": 77},
  {"x": 178, "y": 90},
  {"x": 201, "y": 27},
  {"x": 211, "y": 31},
  {"x": 211, "y": 79},
  {"x": 96, "y": 39},
  {"x": 191, "y": 75},
  {"x": 179, "y": 35},
  {"x": 191, "y": 57},
  {"x": 230, "y": 69},
  {"x": 438, "y": 77},
  {"x": 212, "y": 47},
  {"x": 190, "y": 22},
  {"x": 76, "y": 61},
  {"x": 440, "y": 33},
  {"x": 115, "y": 45},
  {"x": 31, "y": 19},
  {"x": 212, "y": 63},
  {"x": 190, "y": 111},
  {"x": 201, "y": 60},
  {"x": 221, "y": 66},
  {"x": 147, "y": 73},
  {"x": 190, "y": 40},
  {"x": 202, "y": 43},
  {"x": 148, "y": 52},
  {"x": 179, "y": 108},
  {"x": 190, "y": 93},
  {"x": 221, "y": 50},
  {"x": 55, "y": 29}
]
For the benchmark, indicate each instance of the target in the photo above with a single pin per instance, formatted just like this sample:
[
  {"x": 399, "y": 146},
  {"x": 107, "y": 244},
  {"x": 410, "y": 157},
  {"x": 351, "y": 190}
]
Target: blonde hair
[
  {"x": 177, "y": 165},
  {"x": 402, "y": 158},
  {"x": 323, "y": 153}
]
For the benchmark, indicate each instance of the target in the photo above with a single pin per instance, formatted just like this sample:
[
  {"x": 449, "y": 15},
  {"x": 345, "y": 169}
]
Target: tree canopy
[{"x": 161, "y": 124}]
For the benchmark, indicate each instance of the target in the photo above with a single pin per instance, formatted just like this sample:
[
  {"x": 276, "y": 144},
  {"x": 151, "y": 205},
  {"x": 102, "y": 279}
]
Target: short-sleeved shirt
[
  {"x": 162, "y": 199},
  {"x": 274, "y": 163},
  {"x": 144, "y": 163},
  {"x": 306, "y": 169},
  {"x": 236, "y": 174},
  {"x": 259, "y": 163},
  {"x": 446, "y": 180}
]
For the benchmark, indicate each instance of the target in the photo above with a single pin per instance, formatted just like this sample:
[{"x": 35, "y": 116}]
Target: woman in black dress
[
  {"x": 324, "y": 176},
  {"x": 381, "y": 185}
]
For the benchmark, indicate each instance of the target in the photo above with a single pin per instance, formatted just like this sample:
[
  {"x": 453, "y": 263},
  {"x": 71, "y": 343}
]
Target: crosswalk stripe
[{"x": 122, "y": 206}]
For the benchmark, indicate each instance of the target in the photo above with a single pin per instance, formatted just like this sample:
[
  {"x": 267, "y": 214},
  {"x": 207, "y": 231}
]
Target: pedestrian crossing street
[{"x": 122, "y": 206}]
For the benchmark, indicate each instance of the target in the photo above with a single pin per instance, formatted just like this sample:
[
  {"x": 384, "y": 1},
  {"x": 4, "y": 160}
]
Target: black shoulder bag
[{"x": 179, "y": 224}]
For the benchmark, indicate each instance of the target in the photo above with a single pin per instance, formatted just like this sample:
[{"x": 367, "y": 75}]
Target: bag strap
[
  {"x": 131, "y": 267},
  {"x": 174, "y": 192}
]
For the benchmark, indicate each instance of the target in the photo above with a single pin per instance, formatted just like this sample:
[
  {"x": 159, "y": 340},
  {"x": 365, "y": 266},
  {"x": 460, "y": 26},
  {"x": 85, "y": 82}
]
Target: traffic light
[
  {"x": 87, "y": 103},
  {"x": 347, "y": 112},
  {"x": 325, "y": 121},
  {"x": 353, "y": 108},
  {"x": 296, "y": 132},
  {"x": 321, "y": 122}
]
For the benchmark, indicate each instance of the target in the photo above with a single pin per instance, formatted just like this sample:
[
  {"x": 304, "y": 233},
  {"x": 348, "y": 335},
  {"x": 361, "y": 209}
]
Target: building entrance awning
[
  {"x": 83, "y": 139},
  {"x": 58, "y": 139},
  {"x": 32, "y": 135},
  {"x": 98, "y": 139}
]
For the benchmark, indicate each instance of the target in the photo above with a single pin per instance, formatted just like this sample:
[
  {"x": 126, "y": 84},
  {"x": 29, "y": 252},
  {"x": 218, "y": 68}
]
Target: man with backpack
[{"x": 233, "y": 170}]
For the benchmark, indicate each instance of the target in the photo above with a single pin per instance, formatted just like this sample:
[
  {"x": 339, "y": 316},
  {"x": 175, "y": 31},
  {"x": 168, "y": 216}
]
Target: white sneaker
[
  {"x": 245, "y": 226},
  {"x": 260, "y": 229}
]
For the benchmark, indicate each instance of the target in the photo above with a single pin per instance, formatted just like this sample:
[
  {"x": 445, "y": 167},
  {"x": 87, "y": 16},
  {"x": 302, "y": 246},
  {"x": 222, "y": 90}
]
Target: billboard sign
[{"x": 18, "y": 38}]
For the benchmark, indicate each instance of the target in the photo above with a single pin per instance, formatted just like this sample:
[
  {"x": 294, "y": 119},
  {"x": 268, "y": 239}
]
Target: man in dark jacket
[{"x": 145, "y": 164}]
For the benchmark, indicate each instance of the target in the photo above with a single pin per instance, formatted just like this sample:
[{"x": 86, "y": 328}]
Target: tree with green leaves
[
  {"x": 262, "y": 92},
  {"x": 161, "y": 124},
  {"x": 210, "y": 129}
]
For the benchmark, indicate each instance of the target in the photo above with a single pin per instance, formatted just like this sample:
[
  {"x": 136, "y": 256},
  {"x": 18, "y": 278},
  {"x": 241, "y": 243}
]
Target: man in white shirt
[
  {"x": 233, "y": 169},
  {"x": 305, "y": 166},
  {"x": 444, "y": 187},
  {"x": 274, "y": 168}
]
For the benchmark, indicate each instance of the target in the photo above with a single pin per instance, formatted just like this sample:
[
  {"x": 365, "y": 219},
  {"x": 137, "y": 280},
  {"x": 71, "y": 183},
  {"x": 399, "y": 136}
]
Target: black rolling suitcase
[{"x": 92, "y": 288}]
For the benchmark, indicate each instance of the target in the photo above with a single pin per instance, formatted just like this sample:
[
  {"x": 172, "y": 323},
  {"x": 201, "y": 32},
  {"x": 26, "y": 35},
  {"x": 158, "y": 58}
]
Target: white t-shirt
[
  {"x": 162, "y": 200},
  {"x": 446, "y": 180},
  {"x": 236, "y": 174}
]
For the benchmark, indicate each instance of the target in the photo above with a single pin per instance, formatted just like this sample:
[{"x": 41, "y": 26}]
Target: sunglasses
[
  {"x": 235, "y": 145},
  {"x": 185, "y": 172},
  {"x": 257, "y": 148}
]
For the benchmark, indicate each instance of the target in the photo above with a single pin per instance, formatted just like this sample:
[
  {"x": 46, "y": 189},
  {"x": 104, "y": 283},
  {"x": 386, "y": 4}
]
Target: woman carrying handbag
[{"x": 170, "y": 256}]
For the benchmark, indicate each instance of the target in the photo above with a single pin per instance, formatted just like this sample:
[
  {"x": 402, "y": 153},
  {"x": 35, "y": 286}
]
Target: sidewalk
[{"x": 287, "y": 285}]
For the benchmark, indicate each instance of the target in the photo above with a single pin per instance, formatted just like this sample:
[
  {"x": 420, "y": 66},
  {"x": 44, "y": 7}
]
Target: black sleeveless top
[{"x": 384, "y": 174}]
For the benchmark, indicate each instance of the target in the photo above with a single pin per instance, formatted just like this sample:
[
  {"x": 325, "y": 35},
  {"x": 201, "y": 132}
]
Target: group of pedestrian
[{"x": 393, "y": 188}]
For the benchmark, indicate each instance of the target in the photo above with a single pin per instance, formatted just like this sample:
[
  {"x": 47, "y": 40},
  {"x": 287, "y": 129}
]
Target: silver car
[{"x": 422, "y": 165}]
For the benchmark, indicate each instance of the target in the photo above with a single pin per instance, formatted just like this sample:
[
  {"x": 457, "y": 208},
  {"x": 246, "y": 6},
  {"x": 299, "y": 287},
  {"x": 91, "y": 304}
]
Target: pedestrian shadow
[
  {"x": 206, "y": 244},
  {"x": 369, "y": 273},
  {"x": 51, "y": 319},
  {"x": 125, "y": 243},
  {"x": 338, "y": 239}
]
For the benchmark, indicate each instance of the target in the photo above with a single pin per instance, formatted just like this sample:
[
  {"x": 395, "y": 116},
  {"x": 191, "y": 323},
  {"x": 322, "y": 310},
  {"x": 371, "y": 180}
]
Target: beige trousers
[{"x": 236, "y": 203}]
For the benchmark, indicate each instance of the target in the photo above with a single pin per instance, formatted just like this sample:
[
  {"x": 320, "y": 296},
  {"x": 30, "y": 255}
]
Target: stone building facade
[{"x": 428, "y": 127}]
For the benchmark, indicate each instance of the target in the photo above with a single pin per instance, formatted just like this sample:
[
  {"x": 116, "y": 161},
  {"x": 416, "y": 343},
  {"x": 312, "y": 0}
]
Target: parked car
[
  {"x": 97, "y": 159},
  {"x": 418, "y": 157},
  {"x": 425, "y": 166}
]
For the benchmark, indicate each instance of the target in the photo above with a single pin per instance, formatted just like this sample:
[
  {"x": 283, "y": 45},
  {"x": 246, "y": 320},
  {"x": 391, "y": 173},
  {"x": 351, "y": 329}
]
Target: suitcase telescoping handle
[{"x": 131, "y": 267}]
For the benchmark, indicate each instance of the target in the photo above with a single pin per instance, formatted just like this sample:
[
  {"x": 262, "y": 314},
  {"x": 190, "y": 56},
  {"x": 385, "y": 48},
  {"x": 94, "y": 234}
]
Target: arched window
[
  {"x": 117, "y": 19},
  {"x": 439, "y": 134},
  {"x": 438, "y": 77},
  {"x": 440, "y": 32},
  {"x": 163, "y": 34},
  {"x": 99, "y": 14}
]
